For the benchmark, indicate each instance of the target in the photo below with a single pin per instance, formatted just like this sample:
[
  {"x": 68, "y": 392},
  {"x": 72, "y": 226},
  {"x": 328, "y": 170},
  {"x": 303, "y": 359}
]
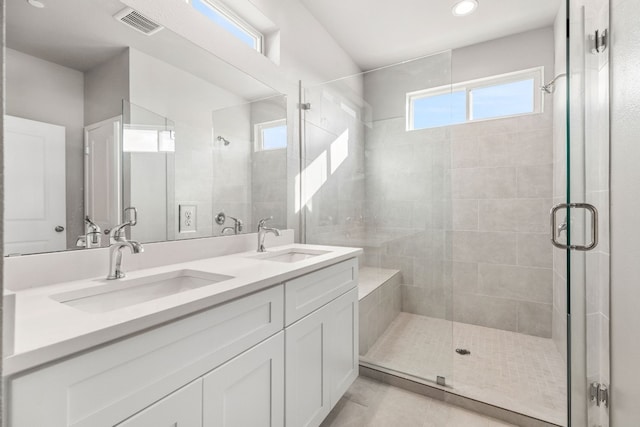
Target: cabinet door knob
[{"x": 59, "y": 229}]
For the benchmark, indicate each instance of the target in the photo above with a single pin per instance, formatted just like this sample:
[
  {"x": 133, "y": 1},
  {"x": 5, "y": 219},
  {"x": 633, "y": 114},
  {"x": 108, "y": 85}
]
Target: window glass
[
  {"x": 215, "y": 15},
  {"x": 498, "y": 96},
  {"x": 439, "y": 110},
  {"x": 502, "y": 100}
]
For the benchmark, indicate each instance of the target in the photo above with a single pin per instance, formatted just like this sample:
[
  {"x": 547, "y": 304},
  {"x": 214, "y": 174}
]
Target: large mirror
[{"x": 101, "y": 117}]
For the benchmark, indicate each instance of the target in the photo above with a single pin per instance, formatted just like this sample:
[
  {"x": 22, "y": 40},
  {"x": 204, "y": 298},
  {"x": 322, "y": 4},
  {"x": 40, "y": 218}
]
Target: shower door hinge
[
  {"x": 305, "y": 106},
  {"x": 599, "y": 393},
  {"x": 600, "y": 41}
]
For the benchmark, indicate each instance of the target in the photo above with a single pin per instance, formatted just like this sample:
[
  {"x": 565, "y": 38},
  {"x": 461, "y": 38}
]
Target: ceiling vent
[{"x": 138, "y": 21}]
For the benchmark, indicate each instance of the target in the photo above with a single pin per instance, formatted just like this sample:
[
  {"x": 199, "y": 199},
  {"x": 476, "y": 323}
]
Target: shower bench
[{"x": 380, "y": 302}]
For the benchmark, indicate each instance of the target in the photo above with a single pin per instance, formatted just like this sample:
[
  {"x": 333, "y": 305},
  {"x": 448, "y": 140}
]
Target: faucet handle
[
  {"x": 237, "y": 224},
  {"x": 263, "y": 221},
  {"x": 133, "y": 217},
  {"x": 133, "y": 220}
]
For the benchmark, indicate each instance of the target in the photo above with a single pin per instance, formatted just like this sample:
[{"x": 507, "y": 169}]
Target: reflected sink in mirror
[
  {"x": 125, "y": 293},
  {"x": 289, "y": 255}
]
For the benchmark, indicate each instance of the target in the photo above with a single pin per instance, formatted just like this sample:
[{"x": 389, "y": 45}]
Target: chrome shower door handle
[{"x": 594, "y": 226}]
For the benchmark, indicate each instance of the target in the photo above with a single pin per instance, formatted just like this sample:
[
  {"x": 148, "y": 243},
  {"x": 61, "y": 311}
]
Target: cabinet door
[
  {"x": 248, "y": 390},
  {"x": 343, "y": 359},
  {"x": 182, "y": 408},
  {"x": 307, "y": 383}
]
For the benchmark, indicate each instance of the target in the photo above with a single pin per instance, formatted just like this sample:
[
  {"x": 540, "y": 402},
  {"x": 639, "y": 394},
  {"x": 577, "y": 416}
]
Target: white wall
[
  {"x": 490, "y": 58},
  {"x": 625, "y": 206},
  {"x": 105, "y": 86},
  {"x": 47, "y": 92}
]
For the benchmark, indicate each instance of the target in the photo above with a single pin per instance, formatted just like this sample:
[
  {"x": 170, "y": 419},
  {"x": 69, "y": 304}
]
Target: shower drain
[{"x": 463, "y": 351}]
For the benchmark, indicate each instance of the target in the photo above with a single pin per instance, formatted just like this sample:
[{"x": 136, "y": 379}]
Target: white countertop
[{"x": 46, "y": 330}]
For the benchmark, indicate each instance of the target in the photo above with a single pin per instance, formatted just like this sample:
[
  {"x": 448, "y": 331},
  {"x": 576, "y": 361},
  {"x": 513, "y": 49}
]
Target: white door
[
  {"x": 102, "y": 174},
  {"x": 35, "y": 187},
  {"x": 248, "y": 390},
  {"x": 182, "y": 408}
]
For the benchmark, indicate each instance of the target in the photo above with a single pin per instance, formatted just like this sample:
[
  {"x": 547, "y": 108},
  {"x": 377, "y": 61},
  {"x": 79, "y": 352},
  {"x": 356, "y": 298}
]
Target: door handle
[
  {"x": 59, "y": 229},
  {"x": 594, "y": 226}
]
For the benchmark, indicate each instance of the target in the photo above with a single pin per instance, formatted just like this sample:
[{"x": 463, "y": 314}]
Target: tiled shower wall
[
  {"x": 501, "y": 180},
  {"x": 461, "y": 211},
  {"x": 488, "y": 184}
]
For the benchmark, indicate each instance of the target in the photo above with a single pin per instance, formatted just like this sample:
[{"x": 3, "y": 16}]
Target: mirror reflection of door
[
  {"x": 34, "y": 162},
  {"x": 102, "y": 174}
]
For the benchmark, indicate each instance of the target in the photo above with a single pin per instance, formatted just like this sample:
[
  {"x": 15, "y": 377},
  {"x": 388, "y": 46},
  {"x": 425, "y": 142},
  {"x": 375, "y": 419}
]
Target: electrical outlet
[{"x": 187, "y": 218}]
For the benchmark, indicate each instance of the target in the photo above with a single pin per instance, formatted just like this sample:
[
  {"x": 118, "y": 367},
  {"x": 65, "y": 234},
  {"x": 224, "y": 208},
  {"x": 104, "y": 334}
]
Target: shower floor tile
[{"x": 518, "y": 372}]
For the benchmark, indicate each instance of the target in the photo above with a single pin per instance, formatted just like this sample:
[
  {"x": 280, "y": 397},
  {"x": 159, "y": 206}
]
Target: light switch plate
[{"x": 188, "y": 218}]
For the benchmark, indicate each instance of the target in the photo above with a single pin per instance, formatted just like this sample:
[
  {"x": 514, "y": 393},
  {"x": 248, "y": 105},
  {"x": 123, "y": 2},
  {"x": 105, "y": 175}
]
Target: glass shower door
[{"x": 587, "y": 155}]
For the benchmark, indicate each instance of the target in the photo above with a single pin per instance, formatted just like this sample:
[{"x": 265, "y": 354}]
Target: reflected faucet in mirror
[
  {"x": 237, "y": 224},
  {"x": 93, "y": 236},
  {"x": 262, "y": 232},
  {"x": 118, "y": 242}
]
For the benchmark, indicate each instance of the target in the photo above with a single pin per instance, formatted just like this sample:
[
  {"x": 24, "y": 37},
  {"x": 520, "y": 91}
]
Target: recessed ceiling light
[
  {"x": 36, "y": 3},
  {"x": 464, "y": 7}
]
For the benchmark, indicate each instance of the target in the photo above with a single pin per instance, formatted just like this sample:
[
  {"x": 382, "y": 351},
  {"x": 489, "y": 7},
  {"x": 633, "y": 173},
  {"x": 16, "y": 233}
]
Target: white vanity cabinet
[
  {"x": 282, "y": 356},
  {"x": 321, "y": 342},
  {"x": 248, "y": 390},
  {"x": 111, "y": 384},
  {"x": 182, "y": 408}
]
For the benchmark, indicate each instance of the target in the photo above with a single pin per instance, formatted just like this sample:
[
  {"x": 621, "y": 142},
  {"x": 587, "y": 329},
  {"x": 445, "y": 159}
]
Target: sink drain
[{"x": 463, "y": 351}]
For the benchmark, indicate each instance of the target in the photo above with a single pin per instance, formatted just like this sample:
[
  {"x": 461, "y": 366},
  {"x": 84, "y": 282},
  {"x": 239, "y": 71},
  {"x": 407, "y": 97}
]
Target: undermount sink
[
  {"x": 289, "y": 255},
  {"x": 124, "y": 293}
]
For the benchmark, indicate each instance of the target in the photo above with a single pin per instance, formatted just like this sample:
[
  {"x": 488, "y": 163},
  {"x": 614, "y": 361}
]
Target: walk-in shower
[{"x": 444, "y": 170}]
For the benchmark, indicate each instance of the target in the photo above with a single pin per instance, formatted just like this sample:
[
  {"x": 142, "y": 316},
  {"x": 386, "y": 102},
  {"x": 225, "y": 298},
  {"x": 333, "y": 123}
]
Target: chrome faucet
[
  {"x": 116, "y": 233},
  {"x": 263, "y": 230},
  {"x": 115, "y": 257},
  {"x": 119, "y": 241}
]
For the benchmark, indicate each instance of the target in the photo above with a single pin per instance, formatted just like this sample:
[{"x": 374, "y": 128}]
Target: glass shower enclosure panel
[
  {"x": 588, "y": 182},
  {"x": 373, "y": 178}
]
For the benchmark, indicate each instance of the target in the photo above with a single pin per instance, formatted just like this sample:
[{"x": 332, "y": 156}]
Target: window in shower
[
  {"x": 230, "y": 22},
  {"x": 271, "y": 135},
  {"x": 504, "y": 95}
]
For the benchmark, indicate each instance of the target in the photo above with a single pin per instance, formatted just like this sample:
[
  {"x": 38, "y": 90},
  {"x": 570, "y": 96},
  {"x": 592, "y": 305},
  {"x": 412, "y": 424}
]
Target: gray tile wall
[
  {"x": 463, "y": 210},
  {"x": 460, "y": 210},
  {"x": 501, "y": 189}
]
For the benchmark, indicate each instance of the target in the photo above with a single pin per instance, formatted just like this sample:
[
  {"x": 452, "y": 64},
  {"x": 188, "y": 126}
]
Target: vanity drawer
[
  {"x": 107, "y": 385},
  {"x": 307, "y": 293}
]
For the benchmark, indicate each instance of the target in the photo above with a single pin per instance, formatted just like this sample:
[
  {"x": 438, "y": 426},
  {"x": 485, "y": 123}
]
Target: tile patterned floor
[
  {"x": 521, "y": 373},
  {"x": 369, "y": 403}
]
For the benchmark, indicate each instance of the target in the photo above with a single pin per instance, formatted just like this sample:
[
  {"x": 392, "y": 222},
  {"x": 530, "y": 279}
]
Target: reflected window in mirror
[
  {"x": 271, "y": 135},
  {"x": 142, "y": 140}
]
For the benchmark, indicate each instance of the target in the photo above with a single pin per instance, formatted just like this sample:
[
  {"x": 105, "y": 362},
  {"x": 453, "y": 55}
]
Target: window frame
[
  {"x": 535, "y": 73},
  {"x": 237, "y": 21},
  {"x": 258, "y": 135}
]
